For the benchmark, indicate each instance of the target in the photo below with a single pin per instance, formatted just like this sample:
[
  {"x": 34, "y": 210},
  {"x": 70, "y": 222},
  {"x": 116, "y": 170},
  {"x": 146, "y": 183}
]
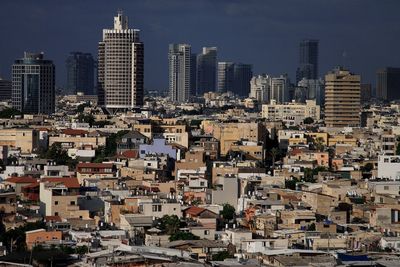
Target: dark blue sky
[{"x": 264, "y": 33}]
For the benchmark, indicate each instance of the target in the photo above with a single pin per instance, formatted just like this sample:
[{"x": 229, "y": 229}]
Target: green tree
[
  {"x": 59, "y": 155},
  {"x": 183, "y": 236},
  {"x": 291, "y": 183},
  {"x": 86, "y": 118},
  {"x": 368, "y": 167},
  {"x": 308, "y": 120},
  {"x": 221, "y": 256},
  {"x": 9, "y": 112},
  {"x": 228, "y": 212},
  {"x": 170, "y": 224}
]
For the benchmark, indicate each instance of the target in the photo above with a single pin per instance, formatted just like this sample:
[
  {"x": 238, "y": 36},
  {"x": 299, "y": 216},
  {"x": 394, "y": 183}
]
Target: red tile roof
[
  {"x": 74, "y": 132},
  {"x": 22, "y": 180},
  {"x": 131, "y": 154},
  {"x": 69, "y": 182},
  {"x": 194, "y": 211}
]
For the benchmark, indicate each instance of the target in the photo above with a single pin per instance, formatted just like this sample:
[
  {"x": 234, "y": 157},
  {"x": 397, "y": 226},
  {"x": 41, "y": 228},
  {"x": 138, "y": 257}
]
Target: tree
[
  {"x": 274, "y": 152},
  {"x": 9, "y": 112},
  {"x": 228, "y": 212},
  {"x": 221, "y": 256},
  {"x": 59, "y": 155},
  {"x": 308, "y": 120},
  {"x": 291, "y": 183},
  {"x": 183, "y": 236},
  {"x": 170, "y": 224},
  {"x": 86, "y": 118},
  {"x": 319, "y": 144},
  {"x": 368, "y": 167}
]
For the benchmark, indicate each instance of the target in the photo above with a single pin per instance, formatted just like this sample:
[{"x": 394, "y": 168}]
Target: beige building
[
  {"x": 342, "y": 99},
  {"x": 25, "y": 139},
  {"x": 59, "y": 197},
  {"x": 293, "y": 113}
]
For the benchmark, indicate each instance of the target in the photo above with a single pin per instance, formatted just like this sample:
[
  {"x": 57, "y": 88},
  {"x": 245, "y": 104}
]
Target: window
[
  {"x": 72, "y": 203},
  {"x": 56, "y": 203},
  {"x": 206, "y": 232},
  {"x": 55, "y": 213},
  {"x": 156, "y": 208},
  {"x": 386, "y": 187}
]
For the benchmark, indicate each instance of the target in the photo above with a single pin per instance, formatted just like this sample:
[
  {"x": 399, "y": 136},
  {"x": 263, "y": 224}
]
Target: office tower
[
  {"x": 308, "y": 60},
  {"x": 342, "y": 98},
  {"x": 366, "y": 92},
  {"x": 388, "y": 84},
  {"x": 193, "y": 74},
  {"x": 5, "y": 90},
  {"x": 280, "y": 87},
  {"x": 260, "y": 88},
  {"x": 314, "y": 89},
  {"x": 225, "y": 77},
  {"x": 80, "y": 73},
  {"x": 206, "y": 70},
  {"x": 120, "y": 67},
  {"x": 242, "y": 74},
  {"x": 33, "y": 84},
  {"x": 179, "y": 57}
]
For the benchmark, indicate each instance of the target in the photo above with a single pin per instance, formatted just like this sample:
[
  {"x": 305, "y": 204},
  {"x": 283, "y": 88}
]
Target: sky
[{"x": 259, "y": 32}]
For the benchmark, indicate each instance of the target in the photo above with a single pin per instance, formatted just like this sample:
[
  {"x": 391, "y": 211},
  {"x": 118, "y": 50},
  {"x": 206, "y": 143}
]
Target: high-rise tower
[
  {"x": 206, "y": 70},
  {"x": 308, "y": 60},
  {"x": 342, "y": 98},
  {"x": 33, "y": 84},
  {"x": 180, "y": 59},
  {"x": 80, "y": 73},
  {"x": 120, "y": 67}
]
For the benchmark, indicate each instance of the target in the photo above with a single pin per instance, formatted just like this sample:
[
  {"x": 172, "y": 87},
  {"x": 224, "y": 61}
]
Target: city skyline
[{"x": 268, "y": 41}]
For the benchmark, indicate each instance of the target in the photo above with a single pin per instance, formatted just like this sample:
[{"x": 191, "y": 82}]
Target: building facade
[
  {"x": 280, "y": 89},
  {"x": 260, "y": 88},
  {"x": 314, "y": 89},
  {"x": 5, "y": 90},
  {"x": 33, "y": 84},
  {"x": 342, "y": 98},
  {"x": 242, "y": 74},
  {"x": 206, "y": 70},
  {"x": 388, "y": 84},
  {"x": 293, "y": 113},
  {"x": 120, "y": 67},
  {"x": 308, "y": 60},
  {"x": 225, "y": 77},
  {"x": 179, "y": 57},
  {"x": 80, "y": 73}
]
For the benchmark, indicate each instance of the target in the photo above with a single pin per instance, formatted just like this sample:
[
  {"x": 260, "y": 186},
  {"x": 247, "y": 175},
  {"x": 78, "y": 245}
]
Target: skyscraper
[
  {"x": 80, "y": 73},
  {"x": 260, "y": 88},
  {"x": 193, "y": 74},
  {"x": 388, "y": 84},
  {"x": 280, "y": 89},
  {"x": 314, "y": 89},
  {"x": 120, "y": 67},
  {"x": 206, "y": 70},
  {"x": 225, "y": 76},
  {"x": 342, "y": 98},
  {"x": 179, "y": 57},
  {"x": 33, "y": 84},
  {"x": 308, "y": 60},
  {"x": 242, "y": 75},
  {"x": 5, "y": 90}
]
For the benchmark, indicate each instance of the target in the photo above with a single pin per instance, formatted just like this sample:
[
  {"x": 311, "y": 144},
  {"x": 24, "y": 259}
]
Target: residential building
[
  {"x": 179, "y": 57},
  {"x": 80, "y": 73},
  {"x": 389, "y": 167},
  {"x": 260, "y": 88},
  {"x": 280, "y": 89},
  {"x": 293, "y": 113},
  {"x": 120, "y": 67},
  {"x": 388, "y": 84},
  {"x": 206, "y": 70},
  {"x": 33, "y": 84},
  {"x": 342, "y": 98},
  {"x": 308, "y": 60},
  {"x": 27, "y": 140},
  {"x": 41, "y": 237}
]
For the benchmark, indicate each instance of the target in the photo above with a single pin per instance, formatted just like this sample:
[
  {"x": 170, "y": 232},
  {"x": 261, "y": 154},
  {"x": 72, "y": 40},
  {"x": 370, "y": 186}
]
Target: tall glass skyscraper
[
  {"x": 80, "y": 73},
  {"x": 120, "y": 67},
  {"x": 33, "y": 84},
  {"x": 308, "y": 60},
  {"x": 225, "y": 76},
  {"x": 206, "y": 70},
  {"x": 180, "y": 70},
  {"x": 242, "y": 75},
  {"x": 388, "y": 84}
]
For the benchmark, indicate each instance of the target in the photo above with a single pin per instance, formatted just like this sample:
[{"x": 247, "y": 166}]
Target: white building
[
  {"x": 260, "y": 88},
  {"x": 291, "y": 113},
  {"x": 280, "y": 89},
  {"x": 389, "y": 167},
  {"x": 120, "y": 66},
  {"x": 179, "y": 57}
]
